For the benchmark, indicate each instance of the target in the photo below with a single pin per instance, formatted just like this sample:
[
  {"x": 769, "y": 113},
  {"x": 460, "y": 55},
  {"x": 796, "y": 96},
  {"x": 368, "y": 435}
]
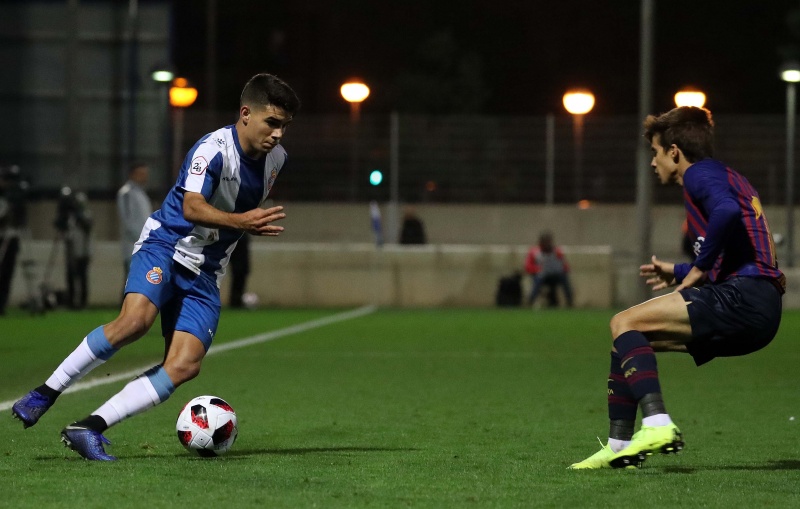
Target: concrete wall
[
  {"x": 326, "y": 256},
  {"x": 346, "y": 274}
]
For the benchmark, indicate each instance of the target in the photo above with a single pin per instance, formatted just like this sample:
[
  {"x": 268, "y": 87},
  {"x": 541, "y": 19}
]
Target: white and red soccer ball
[{"x": 207, "y": 426}]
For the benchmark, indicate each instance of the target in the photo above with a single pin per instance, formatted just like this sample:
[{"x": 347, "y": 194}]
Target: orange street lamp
[
  {"x": 354, "y": 92},
  {"x": 181, "y": 96},
  {"x": 690, "y": 97},
  {"x": 578, "y": 102}
]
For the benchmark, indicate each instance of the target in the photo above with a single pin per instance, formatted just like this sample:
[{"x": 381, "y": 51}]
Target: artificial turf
[{"x": 406, "y": 408}]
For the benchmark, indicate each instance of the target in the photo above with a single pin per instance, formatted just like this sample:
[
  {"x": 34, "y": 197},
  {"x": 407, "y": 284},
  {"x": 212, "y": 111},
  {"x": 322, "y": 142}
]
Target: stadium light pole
[
  {"x": 690, "y": 97},
  {"x": 354, "y": 92},
  {"x": 790, "y": 73},
  {"x": 162, "y": 75},
  {"x": 181, "y": 96},
  {"x": 578, "y": 103}
]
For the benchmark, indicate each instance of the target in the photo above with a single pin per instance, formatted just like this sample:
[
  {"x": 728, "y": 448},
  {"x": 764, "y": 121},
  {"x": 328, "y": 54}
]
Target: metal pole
[
  {"x": 577, "y": 135},
  {"x": 73, "y": 109},
  {"x": 133, "y": 76},
  {"x": 549, "y": 163},
  {"x": 177, "y": 142},
  {"x": 644, "y": 178},
  {"x": 394, "y": 178},
  {"x": 791, "y": 107},
  {"x": 355, "y": 118},
  {"x": 211, "y": 56}
]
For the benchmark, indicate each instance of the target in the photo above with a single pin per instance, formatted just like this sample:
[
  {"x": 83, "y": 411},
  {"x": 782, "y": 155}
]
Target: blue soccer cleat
[
  {"x": 31, "y": 407},
  {"x": 86, "y": 442}
]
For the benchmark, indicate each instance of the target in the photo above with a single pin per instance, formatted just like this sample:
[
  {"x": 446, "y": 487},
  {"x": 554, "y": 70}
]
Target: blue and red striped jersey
[{"x": 727, "y": 221}]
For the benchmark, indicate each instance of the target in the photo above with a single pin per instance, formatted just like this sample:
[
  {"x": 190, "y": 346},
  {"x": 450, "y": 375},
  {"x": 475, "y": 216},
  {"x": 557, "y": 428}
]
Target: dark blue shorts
[
  {"x": 735, "y": 317},
  {"x": 187, "y": 301}
]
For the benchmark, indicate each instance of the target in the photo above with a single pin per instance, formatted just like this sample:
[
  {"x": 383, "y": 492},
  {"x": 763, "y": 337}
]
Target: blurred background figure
[
  {"x": 240, "y": 268},
  {"x": 133, "y": 208},
  {"x": 74, "y": 223},
  {"x": 412, "y": 231},
  {"x": 13, "y": 218},
  {"x": 548, "y": 267}
]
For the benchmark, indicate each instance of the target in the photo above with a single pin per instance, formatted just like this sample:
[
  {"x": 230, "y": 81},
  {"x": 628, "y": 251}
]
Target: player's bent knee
[
  {"x": 622, "y": 322},
  {"x": 181, "y": 373}
]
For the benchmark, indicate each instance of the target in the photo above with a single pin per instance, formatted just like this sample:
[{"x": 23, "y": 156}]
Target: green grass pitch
[{"x": 406, "y": 408}]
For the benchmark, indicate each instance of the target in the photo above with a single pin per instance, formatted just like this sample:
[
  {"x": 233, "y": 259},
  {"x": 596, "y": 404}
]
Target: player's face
[
  {"x": 263, "y": 128},
  {"x": 663, "y": 162}
]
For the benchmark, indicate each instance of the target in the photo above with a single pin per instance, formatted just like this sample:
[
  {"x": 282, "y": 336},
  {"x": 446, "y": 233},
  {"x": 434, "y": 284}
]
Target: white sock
[
  {"x": 77, "y": 365},
  {"x": 136, "y": 397},
  {"x": 617, "y": 445},
  {"x": 656, "y": 420}
]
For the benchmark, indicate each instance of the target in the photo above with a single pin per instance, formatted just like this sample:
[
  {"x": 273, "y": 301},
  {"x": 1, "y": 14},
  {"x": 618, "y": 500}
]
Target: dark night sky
[{"x": 505, "y": 57}]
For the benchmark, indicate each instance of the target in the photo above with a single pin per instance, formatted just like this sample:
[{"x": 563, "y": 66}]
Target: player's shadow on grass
[
  {"x": 239, "y": 454},
  {"x": 314, "y": 450},
  {"x": 769, "y": 466}
]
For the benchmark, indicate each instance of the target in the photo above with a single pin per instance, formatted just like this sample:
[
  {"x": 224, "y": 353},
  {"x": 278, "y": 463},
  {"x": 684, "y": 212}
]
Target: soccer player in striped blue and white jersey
[
  {"x": 178, "y": 263},
  {"x": 727, "y": 302}
]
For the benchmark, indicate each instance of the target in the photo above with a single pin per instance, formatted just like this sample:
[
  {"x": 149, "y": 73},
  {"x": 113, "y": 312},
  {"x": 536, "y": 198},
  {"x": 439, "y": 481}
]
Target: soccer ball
[{"x": 207, "y": 426}]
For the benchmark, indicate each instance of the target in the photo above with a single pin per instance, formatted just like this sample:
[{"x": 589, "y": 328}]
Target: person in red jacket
[{"x": 548, "y": 267}]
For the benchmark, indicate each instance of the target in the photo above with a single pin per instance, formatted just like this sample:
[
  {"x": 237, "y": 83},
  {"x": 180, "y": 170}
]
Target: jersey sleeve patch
[{"x": 198, "y": 166}]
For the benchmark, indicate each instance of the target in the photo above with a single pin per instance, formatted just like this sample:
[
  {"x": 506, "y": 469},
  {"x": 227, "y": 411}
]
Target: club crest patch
[
  {"x": 198, "y": 165},
  {"x": 272, "y": 176},
  {"x": 155, "y": 276}
]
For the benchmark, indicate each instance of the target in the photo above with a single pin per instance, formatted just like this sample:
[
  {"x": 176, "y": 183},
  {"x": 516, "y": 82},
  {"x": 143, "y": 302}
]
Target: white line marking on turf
[{"x": 233, "y": 345}]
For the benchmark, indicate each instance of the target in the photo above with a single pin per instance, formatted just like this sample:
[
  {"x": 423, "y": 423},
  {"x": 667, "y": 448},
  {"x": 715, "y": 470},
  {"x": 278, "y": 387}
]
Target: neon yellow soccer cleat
[
  {"x": 648, "y": 441},
  {"x": 603, "y": 459}
]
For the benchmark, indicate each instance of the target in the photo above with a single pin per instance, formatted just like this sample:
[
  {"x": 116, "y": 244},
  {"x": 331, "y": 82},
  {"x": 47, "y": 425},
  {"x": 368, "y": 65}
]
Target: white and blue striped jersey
[{"x": 230, "y": 181}]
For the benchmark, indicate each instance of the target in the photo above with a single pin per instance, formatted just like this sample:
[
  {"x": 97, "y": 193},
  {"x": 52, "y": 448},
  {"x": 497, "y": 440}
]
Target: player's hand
[
  {"x": 258, "y": 221},
  {"x": 659, "y": 274},
  {"x": 695, "y": 277}
]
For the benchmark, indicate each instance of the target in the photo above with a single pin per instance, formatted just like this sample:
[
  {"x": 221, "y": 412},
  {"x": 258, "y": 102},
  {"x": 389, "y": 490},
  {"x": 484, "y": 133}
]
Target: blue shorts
[
  {"x": 187, "y": 301},
  {"x": 735, "y": 317}
]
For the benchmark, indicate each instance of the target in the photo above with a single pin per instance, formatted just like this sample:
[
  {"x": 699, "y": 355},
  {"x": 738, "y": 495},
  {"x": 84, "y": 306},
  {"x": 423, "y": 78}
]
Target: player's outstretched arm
[
  {"x": 255, "y": 222},
  {"x": 659, "y": 274}
]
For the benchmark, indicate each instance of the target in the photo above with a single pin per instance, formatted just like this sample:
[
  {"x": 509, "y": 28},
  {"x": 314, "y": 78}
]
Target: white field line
[{"x": 215, "y": 349}]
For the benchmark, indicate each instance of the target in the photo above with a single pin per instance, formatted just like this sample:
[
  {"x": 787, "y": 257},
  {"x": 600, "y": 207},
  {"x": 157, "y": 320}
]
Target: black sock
[
  {"x": 652, "y": 404},
  {"x": 47, "y": 392},
  {"x": 93, "y": 422}
]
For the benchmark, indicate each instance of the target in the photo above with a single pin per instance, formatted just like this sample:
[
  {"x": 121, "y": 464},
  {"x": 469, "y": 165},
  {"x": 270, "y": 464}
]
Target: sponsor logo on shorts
[{"x": 155, "y": 276}]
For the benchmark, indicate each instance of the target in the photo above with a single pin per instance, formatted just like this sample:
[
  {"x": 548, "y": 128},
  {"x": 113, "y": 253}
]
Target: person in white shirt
[{"x": 133, "y": 209}]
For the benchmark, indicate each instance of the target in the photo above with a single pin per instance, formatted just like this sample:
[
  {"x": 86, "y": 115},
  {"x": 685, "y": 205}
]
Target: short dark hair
[
  {"x": 690, "y": 128},
  {"x": 265, "y": 89},
  {"x": 136, "y": 165}
]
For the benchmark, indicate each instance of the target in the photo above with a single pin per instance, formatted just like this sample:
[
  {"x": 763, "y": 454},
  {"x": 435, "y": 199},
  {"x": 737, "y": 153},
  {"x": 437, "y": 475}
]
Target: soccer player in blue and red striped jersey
[{"x": 727, "y": 302}]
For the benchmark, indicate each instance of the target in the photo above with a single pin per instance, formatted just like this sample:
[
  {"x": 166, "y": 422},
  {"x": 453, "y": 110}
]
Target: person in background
[
  {"x": 133, "y": 209},
  {"x": 77, "y": 240},
  {"x": 412, "y": 230},
  {"x": 240, "y": 269},
  {"x": 13, "y": 218},
  {"x": 548, "y": 268}
]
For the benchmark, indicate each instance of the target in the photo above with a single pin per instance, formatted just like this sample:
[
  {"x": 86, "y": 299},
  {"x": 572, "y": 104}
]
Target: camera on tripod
[{"x": 71, "y": 205}]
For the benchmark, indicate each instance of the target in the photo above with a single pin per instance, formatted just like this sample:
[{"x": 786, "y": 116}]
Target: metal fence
[
  {"x": 434, "y": 159},
  {"x": 484, "y": 159}
]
